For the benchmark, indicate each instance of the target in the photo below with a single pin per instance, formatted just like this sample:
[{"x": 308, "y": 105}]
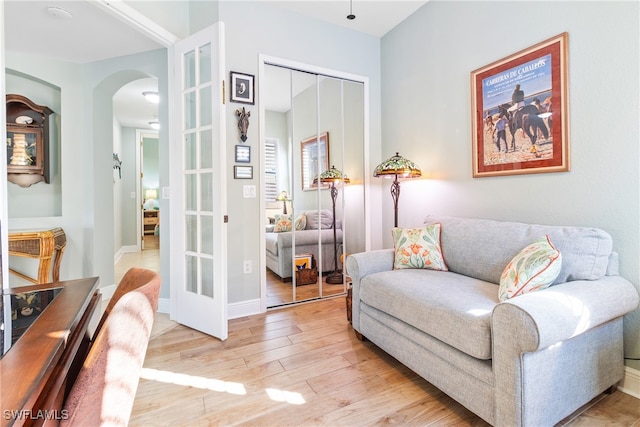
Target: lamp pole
[
  {"x": 334, "y": 277},
  {"x": 395, "y": 195}
]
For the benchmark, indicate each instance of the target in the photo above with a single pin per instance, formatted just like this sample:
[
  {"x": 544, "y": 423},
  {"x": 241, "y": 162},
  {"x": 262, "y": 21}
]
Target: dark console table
[{"x": 44, "y": 342}]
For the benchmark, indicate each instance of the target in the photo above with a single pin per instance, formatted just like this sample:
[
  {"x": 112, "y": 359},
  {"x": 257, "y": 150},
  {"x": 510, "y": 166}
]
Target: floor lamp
[
  {"x": 283, "y": 197},
  {"x": 397, "y": 167},
  {"x": 333, "y": 176}
]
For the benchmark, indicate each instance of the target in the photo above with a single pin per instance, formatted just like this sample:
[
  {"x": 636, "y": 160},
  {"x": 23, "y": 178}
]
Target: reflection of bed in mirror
[{"x": 279, "y": 244}]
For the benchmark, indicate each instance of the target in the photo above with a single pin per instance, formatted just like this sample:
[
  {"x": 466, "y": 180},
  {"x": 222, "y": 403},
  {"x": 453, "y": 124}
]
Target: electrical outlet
[{"x": 247, "y": 267}]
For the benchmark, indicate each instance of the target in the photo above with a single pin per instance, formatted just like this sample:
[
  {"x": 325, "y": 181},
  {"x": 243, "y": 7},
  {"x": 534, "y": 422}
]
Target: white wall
[
  {"x": 47, "y": 195},
  {"x": 101, "y": 81},
  {"x": 87, "y": 133},
  {"x": 426, "y": 65},
  {"x": 117, "y": 187},
  {"x": 75, "y": 161}
]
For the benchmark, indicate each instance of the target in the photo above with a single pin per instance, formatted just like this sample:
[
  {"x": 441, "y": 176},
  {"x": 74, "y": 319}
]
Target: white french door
[{"x": 198, "y": 184}]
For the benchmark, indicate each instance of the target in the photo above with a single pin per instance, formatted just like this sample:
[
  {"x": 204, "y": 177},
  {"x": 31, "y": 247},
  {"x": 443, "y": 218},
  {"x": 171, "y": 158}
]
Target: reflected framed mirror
[{"x": 314, "y": 159}]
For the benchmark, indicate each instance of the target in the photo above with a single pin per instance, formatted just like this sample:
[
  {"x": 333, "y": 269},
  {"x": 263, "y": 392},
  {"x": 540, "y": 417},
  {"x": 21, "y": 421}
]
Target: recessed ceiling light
[
  {"x": 154, "y": 125},
  {"x": 152, "y": 97},
  {"x": 59, "y": 12}
]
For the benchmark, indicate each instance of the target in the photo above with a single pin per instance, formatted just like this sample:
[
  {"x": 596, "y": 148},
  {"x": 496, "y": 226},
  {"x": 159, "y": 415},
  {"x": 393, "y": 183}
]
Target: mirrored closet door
[{"x": 313, "y": 150}]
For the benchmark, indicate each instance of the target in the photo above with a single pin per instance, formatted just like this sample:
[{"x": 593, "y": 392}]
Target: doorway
[{"x": 149, "y": 190}]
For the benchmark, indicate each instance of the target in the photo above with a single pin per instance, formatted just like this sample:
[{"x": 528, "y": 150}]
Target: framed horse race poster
[{"x": 519, "y": 112}]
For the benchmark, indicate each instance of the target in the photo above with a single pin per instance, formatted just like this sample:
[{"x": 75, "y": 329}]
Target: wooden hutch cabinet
[{"x": 27, "y": 141}]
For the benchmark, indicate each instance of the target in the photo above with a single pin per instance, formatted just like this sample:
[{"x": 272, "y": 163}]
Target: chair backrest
[
  {"x": 105, "y": 388},
  {"x": 133, "y": 279}
]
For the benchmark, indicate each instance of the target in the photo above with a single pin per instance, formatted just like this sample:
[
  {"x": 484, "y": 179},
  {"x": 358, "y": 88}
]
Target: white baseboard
[
  {"x": 124, "y": 250},
  {"x": 241, "y": 309},
  {"x": 631, "y": 382},
  {"x": 164, "y": 305},
  {"x": 244, "y": 308}
]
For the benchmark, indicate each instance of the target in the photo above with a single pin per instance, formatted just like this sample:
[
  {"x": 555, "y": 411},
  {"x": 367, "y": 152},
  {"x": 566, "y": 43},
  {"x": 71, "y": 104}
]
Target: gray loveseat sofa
[
  {"x": 531, "y": 360},
  {"x": 319, "y": 228}
]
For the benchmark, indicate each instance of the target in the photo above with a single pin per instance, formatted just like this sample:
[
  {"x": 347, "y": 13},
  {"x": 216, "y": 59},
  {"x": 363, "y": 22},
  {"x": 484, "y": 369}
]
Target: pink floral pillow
[{"x": 418, "y": 248}]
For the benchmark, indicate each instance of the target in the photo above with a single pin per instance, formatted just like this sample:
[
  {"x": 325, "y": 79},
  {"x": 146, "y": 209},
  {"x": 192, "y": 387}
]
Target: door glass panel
[
  {"x": 205, "y": 63},
  {"x": 205, "y": 106},
  {"x": 190, "y": 192},
  {"x": 190, "y": 110},
  {"x": 207, "y": 276},
  {"x": 190, "y": 151},
  {"x": 189, "y": 69},
  {"x": 191, "y": 233},
  {"x": 207, "y": 235},
  {"x": 191, "y": 268},
  {"x": 206, "y": 149},
  {"x": 206, "y": 192}
]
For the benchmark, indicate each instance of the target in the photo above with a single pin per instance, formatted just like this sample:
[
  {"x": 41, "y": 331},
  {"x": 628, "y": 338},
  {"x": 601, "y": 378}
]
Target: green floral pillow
[
  {"x": 282, "y": 223},
  {"x": 418, "y": 248},
  {"x": 533, "y": 269}
]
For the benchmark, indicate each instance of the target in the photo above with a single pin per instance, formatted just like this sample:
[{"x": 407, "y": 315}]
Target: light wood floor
[
  {"x": 148, "y": 258},
  {"x": 281, "y": 293},
  {"x": 302, "y": 365}
]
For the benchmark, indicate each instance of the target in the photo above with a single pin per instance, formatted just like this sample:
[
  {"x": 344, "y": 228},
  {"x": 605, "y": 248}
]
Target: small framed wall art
[
  {"x": 242, "y": 88},
  {"x": 243, "y": 172},
  {"x": 243, "y": 154}
]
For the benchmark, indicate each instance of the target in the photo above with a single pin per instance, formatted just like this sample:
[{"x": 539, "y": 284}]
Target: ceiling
[{"x": 91, "y": 34}]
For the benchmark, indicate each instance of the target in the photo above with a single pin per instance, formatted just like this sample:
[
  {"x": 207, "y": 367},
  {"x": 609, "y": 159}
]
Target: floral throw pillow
[
  {"x": 282, "y": 223},
  {"x": 533, "y": 269},
  {"x": 418, "y": 248}
]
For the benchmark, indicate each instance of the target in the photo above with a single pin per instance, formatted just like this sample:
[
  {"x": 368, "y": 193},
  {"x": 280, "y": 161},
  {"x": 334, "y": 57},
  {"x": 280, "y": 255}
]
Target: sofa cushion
[
  {"x": 482, "y": 248},
  {"x": 418, "y": 248},
  {"x": 452, "y": 308},
  {"x": 533, "y": 269},
  {"x": 319, "y": 219}
]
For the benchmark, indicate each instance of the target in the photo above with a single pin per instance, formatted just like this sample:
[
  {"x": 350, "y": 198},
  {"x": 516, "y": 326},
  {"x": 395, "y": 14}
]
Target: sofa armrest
[
  {"x": 540, "y": 319},
  {"x": 364, "y": 263},
  {"x": 361, "y": 265},
  {"x": 535, "y": 361}
]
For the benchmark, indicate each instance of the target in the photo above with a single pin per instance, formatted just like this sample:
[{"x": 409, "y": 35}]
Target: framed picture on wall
[
  {"x": 314, "y": 152},
  {"x": 243, "y": 154},
  {"x": 243, "y": 172},
  {"x": 242, "y": 87},
  {"x": 519, "y": 112}
]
